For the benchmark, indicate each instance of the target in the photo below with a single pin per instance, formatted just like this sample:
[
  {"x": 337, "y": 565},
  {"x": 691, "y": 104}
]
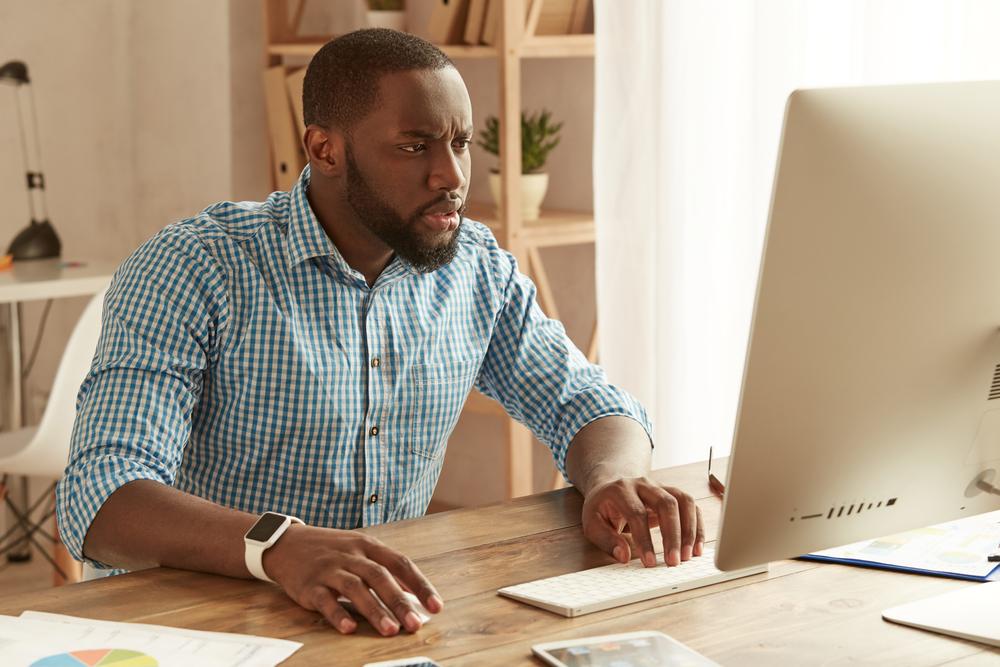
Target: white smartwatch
[{"x": 262, "y": 536}]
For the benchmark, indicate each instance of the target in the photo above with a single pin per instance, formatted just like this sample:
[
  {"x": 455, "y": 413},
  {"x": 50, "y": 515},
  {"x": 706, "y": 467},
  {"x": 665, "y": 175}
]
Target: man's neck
[{"x": 361, "y": 249}]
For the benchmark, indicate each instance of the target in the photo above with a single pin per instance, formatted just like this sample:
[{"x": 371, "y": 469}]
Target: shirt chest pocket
[{"x": 438, "y": 393}]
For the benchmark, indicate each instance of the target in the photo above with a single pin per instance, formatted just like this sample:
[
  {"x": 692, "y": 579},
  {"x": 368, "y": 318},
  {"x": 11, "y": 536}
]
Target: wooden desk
[{"x": 798, "y": 614}]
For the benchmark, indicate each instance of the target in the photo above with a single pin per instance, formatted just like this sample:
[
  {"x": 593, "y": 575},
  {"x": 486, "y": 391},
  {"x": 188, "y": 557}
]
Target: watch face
[{"x": 265, "y": 527}]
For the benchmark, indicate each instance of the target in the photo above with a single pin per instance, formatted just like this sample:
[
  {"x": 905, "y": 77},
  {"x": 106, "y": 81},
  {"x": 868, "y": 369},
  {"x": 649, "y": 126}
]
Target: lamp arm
[{"x": 27, "y": 117}]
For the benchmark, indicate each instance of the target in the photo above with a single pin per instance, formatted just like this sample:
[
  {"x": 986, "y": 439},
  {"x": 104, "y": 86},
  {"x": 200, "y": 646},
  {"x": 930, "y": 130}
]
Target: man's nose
[{"x": 446, "y": 172}]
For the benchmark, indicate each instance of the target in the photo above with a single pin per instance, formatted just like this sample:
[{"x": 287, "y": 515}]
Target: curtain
[{"x": 688, "y": 111}]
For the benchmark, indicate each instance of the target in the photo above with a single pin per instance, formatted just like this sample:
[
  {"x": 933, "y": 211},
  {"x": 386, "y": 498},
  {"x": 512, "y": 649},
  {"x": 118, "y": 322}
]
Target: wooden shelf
[
  {"x": 555, "y": 227},
  {"x": 546, "y": 46},
  {"x": 558, "y": 46},
  {"x": 482, "y": 405}
]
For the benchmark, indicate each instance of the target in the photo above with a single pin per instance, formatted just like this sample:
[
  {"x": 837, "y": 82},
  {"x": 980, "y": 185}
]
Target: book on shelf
[
  {"x": 447, "y": 21},
  {"x": 490, "y": 21},
  {"x": 556, "y": 17},
  {"x": 494, "y": 17},
  {"x": 475, "y": 20}
]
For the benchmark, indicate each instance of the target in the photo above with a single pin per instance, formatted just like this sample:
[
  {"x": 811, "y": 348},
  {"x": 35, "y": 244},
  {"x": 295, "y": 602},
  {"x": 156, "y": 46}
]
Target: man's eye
[
  {"x": 414, "y": 148},
  {"x": 462, "y": 144}
]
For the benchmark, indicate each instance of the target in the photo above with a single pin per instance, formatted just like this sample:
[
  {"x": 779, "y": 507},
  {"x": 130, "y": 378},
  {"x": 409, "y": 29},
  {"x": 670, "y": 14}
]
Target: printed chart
[{"x": 105, "y": 657}]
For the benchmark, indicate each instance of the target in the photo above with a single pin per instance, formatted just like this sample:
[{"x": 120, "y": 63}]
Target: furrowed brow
[{"x": 418, "y": 134}]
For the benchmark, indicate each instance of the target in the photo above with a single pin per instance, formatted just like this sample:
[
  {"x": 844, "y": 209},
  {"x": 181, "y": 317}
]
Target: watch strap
[{"x": 253, "y": 555}]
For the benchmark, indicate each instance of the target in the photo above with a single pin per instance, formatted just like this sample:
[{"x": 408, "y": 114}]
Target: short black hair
[{"x": 341, "y": 83}]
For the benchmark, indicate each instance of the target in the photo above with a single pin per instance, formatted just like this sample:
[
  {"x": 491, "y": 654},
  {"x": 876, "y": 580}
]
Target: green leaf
[{"x": 539, "y": 136}]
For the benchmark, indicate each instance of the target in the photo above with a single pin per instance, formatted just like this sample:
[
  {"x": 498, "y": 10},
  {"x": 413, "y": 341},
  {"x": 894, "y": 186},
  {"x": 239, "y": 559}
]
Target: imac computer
[{"x": 870, "y": 401}]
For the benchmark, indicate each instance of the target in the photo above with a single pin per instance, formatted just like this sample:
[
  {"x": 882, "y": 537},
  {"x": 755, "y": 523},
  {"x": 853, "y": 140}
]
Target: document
[
  {"x": 956, "y": 549},
  {"x": 39, "y": 639}
]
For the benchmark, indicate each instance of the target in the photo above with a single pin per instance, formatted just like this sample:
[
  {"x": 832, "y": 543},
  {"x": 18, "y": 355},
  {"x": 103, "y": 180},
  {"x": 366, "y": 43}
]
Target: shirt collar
[{"x": 307, "y": 238}]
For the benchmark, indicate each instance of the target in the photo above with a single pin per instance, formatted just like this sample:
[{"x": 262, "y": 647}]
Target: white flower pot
[
  {"x": 533, "y": 188},
  {"x": 383, "y": 19}
]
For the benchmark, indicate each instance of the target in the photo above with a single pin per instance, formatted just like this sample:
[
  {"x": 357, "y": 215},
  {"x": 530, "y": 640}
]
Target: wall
[
  {"x": 149, "y": 111},
  {"x": 144, "y": 113}
]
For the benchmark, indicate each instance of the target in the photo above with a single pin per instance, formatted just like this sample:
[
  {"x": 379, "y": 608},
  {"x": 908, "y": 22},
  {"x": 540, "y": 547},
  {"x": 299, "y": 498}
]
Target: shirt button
[
  {"x": 373, "y": 499},
  {"x": 374, "y": 430},
  {"x": 376, "y": 362}
]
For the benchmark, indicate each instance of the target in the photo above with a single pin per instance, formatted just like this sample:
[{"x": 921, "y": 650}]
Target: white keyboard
[{"x": 587, "y": 591}]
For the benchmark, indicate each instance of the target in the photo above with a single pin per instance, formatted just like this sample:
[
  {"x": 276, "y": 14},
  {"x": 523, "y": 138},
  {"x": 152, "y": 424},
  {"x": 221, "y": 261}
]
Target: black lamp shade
[
  {"x": 36, "y": 241},
  {"x": 15, "y": 71}
]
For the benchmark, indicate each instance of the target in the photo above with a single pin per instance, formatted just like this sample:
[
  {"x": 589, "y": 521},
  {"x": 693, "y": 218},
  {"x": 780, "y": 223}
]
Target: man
[{"x": 309, "y": 355}]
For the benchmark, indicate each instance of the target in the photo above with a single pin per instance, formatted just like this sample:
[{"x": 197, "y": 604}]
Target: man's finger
[
  {"x": 325, "y": 602},
  {"x": 608, "y": 538},
  {"x": 688, "y": 512},
  {"x": 666, "y": 507},
  {"x": 388, "y": 591},
  {"x": 407, "y": 572},
  {"x": 355, "y": 589},
  {"x": 635, "y": 515}
]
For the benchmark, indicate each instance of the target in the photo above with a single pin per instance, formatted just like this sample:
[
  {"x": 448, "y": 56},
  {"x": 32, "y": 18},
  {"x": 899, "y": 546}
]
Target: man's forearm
[
  {"x": 607, "y": 449},
  {"x": 146, "y": 524}
]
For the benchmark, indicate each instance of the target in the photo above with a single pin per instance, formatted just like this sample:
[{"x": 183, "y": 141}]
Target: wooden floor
[{"x": 34, "y": 575}]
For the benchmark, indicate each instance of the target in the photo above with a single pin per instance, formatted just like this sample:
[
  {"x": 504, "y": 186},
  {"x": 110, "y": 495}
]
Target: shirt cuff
[
  {"x": 594, "y": 404},
  {"x": 83, "y": 491}
]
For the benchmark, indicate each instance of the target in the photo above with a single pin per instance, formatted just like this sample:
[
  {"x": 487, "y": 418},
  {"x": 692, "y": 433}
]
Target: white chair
[{"x": 43, "y": 450}]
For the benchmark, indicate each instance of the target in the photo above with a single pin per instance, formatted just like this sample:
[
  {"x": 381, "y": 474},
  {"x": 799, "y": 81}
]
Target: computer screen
[{"x": 870, "y": 401}]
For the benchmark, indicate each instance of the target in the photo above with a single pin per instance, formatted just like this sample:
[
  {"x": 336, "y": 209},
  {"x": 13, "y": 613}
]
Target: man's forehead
[{"x": 424, "y": 100}]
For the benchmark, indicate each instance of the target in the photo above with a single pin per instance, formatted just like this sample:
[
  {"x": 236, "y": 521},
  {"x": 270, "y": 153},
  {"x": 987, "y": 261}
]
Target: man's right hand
[{"x": 316, "y": 565}]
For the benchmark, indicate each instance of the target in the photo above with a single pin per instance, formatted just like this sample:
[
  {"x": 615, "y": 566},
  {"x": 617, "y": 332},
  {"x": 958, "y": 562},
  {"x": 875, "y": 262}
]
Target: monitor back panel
[{"x": 871, "y": 394}]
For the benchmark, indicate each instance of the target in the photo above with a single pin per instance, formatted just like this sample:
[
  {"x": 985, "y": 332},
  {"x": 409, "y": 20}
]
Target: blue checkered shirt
[{"x": 243, "y": 361}]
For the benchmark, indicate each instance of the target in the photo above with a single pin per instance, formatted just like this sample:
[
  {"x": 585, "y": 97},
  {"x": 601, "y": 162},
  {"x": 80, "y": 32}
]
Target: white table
[
  {"x": 33, "y": 281},
  {"x": 43, "y": 279}
]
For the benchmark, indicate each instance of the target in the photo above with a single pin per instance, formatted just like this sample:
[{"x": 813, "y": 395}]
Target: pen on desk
[
  {"x": 994, "y": 557},
  {"x": 717, "y": 487}
]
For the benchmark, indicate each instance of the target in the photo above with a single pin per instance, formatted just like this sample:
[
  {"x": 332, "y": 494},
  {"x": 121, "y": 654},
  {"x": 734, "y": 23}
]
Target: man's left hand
[{"x": 640, "y": 504}]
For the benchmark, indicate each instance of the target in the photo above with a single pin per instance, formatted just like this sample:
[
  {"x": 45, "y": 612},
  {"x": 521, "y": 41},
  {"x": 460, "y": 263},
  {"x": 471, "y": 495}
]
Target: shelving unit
[{"x": 516, "y": 41}]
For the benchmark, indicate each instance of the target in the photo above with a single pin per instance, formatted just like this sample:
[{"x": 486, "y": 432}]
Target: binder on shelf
[
  {"x": 293, "y": 84},
  {"x": 556, "y": 17},
  {"x": 475, "y": 20},
  {"x": 492, "y": 20},
  {"x": 494, "y": 15},
  {"x": 581, "y": 9},
  {"x": 447, "y": 21},
  {"x": 286, "y": 151}
]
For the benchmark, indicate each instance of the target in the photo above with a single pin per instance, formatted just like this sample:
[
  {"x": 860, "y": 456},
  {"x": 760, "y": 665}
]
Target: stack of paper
[
  {"x": 38, "y": 639},
  {"x": 958, "y": 549}
]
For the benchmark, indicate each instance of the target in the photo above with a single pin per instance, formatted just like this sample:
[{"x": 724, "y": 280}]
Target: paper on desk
[
  {"x": 38, "y": 639},
  {"x": 957, "y": 548}
]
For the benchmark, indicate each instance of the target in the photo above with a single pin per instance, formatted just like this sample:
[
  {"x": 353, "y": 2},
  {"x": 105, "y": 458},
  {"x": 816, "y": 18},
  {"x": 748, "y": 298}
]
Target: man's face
[{"x": 408, "y": 165}]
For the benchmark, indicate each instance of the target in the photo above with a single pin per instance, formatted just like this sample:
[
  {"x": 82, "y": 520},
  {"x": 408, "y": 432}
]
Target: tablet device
[
  {"x": 418, "y": 661},
  {"x": 631, "y": 649}
]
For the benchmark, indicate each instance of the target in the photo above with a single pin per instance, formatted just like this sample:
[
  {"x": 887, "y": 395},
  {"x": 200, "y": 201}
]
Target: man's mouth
[
  {"x": 442, "y": 222},
  {"x": 444, "y": 217}
]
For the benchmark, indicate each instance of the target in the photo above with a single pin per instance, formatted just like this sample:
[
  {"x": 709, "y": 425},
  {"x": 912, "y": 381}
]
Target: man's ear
[{"x": 325, "y": 150}]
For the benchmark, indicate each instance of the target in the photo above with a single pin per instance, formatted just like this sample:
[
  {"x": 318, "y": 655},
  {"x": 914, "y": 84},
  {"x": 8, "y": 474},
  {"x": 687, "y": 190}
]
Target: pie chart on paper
[{"x": 102, "y": 657}]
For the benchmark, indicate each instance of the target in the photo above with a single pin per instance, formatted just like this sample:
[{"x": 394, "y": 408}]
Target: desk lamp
[{"x": 38, "y": 240}]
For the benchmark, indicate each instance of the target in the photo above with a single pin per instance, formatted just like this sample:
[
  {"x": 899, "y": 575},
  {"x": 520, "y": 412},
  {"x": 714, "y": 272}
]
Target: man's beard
[{"x": 399, "y": 234}]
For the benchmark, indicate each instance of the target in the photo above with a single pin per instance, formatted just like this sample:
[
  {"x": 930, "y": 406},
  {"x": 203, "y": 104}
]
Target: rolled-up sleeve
[
  {"x": 162, "y": 317},
  {"x": 541, "y": 378}
]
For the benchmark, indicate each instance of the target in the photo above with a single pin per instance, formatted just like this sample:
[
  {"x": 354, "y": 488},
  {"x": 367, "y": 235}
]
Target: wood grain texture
[{"x": 798, "y": 613}]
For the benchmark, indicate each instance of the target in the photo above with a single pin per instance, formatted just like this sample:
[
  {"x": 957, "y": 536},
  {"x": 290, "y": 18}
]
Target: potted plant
[
  {"x": 386, "y": 14},
  {"x": 539, "y": 135}
]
